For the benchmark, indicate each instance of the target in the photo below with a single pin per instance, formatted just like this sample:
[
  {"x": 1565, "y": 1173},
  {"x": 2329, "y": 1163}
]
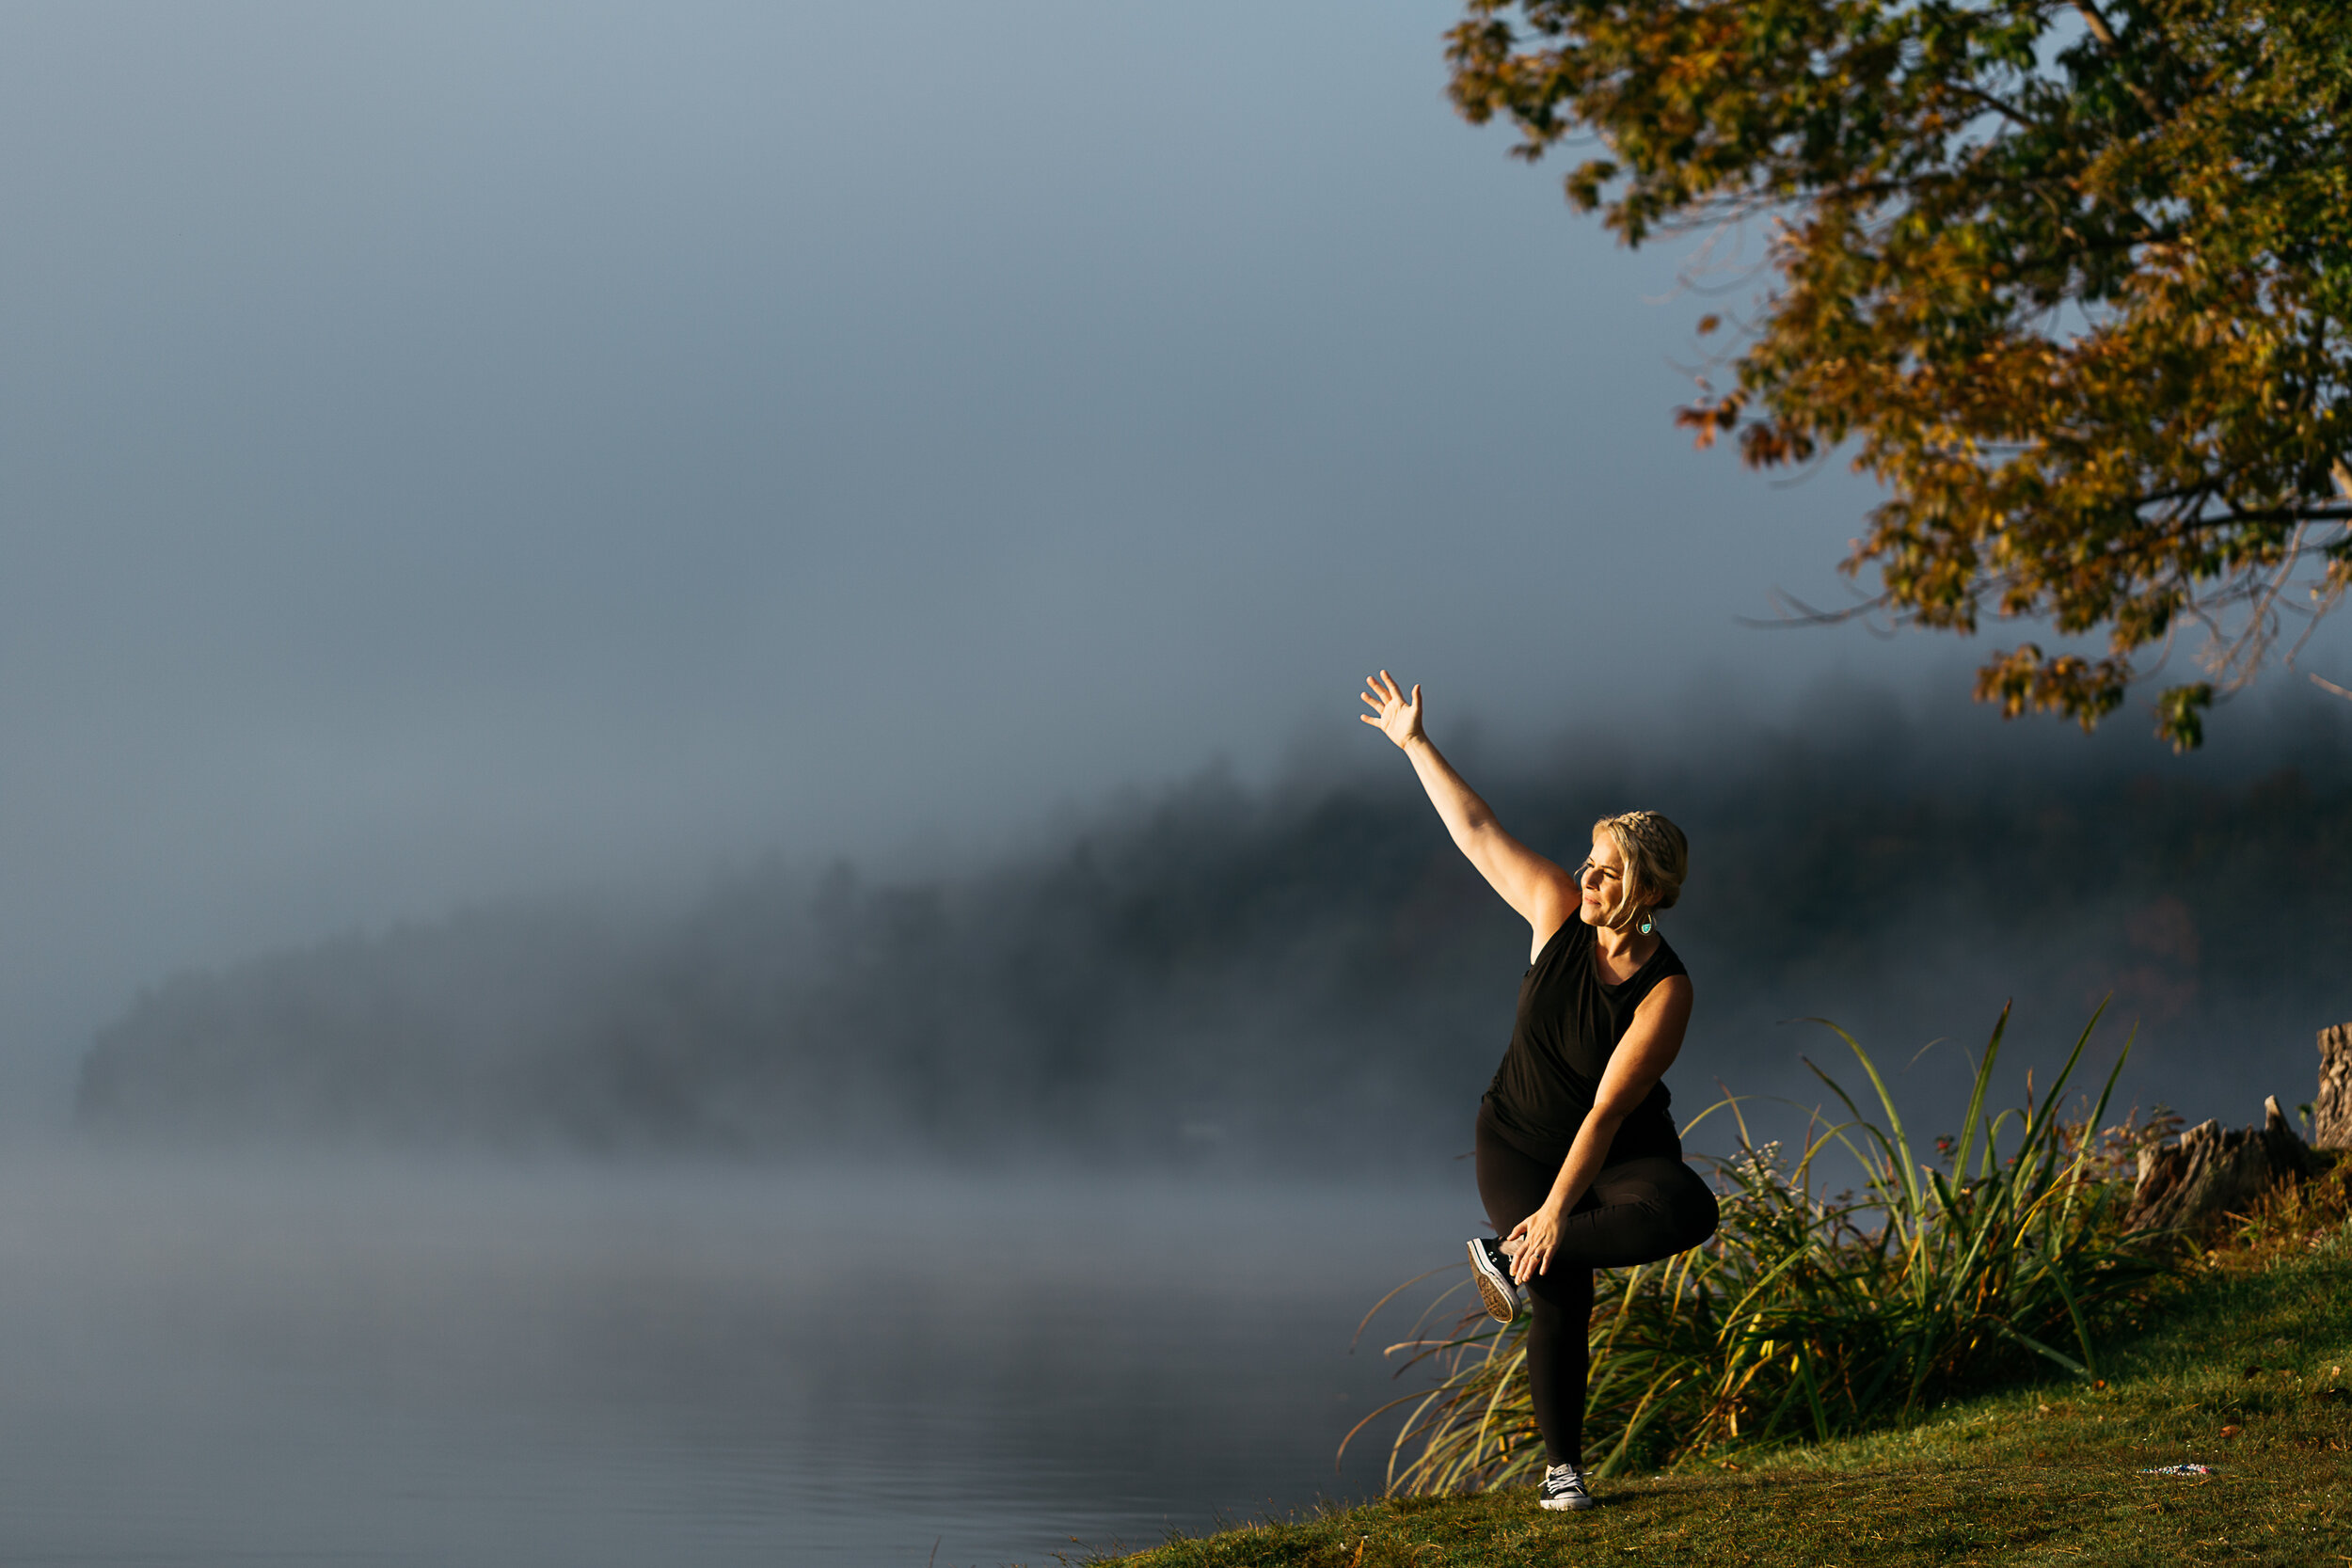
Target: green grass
[
  {"x": 1810, "y": 1314},
  {"x": 2242, "y": 1367}
]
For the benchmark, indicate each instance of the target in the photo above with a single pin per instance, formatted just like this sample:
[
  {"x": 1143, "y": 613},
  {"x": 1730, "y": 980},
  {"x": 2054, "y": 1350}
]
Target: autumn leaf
[{"x": 2073, "y": 285}]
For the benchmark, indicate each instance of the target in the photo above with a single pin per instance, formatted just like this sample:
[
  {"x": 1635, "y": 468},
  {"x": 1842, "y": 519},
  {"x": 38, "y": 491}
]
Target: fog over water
[
  {"x": 829, "y": 1216},
  {"x": 827, "y": 1213},
  {"x": 1308, "y": 976},
  {"x": 454, "y": 453},
  {"x": 688, "y": 873},
  {"x": 224, "y": 1361}
]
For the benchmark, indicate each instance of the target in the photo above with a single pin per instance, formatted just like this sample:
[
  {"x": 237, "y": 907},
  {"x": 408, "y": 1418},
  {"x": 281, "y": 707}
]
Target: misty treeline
[{"x": 1306, "y": 973}]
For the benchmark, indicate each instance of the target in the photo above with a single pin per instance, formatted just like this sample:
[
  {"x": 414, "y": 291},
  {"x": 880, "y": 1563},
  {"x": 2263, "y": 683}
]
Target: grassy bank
[{"x": 2244, "y": 1369}]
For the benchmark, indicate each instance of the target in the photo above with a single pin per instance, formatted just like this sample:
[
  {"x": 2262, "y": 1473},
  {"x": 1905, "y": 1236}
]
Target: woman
[{"x": 1579, "y": 1163}]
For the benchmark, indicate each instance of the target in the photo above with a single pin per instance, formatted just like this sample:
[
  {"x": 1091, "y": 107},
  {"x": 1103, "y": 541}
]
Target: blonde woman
[{"x": 1578, "y": 1162}]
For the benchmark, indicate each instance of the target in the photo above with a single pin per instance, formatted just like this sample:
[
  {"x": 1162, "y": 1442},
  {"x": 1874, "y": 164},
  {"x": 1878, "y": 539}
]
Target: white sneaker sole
[
  {"x": 1494, "y": 1289},
  {"x": 1582, "y": 1499}
]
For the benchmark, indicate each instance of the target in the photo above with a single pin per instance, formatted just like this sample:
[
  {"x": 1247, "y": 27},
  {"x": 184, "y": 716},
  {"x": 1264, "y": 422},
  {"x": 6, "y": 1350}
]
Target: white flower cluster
[{"x": 1759, "y": 1166}]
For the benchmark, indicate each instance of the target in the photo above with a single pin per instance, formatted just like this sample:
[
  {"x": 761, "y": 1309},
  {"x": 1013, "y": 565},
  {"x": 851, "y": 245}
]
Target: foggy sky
[{"x": 449, "y": 451}]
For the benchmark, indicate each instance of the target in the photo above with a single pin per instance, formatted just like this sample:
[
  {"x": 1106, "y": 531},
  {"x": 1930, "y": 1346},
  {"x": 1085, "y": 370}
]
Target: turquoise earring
[{"x": 1649, "y": 922}]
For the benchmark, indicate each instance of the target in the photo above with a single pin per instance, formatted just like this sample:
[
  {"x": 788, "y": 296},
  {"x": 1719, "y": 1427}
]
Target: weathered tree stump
[
  {"x": 2213, "y": 1172},
  {"x": 2331, "y": 1113}
]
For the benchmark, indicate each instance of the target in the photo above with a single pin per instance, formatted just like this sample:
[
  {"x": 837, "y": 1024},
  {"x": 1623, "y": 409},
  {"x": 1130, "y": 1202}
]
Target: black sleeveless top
[{"x": 1570, "y": 1021}]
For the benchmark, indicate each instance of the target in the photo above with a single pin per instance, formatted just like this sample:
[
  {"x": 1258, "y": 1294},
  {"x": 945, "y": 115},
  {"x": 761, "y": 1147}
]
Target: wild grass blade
[
  {"x": 1983, "y": 1079},
  {"x": 1898, "y": 1140},
  {"x": 2040, "y": 1349},
  {"x": 1806, "y": 1314}
]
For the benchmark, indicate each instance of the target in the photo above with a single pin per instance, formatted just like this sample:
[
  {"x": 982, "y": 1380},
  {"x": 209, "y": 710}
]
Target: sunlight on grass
[
  {"x": 2239, "y": 1367},
  {"x": 1811, "y": 1313}
]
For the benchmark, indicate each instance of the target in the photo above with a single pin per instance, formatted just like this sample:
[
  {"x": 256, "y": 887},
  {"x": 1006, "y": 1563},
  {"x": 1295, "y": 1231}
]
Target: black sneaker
[
  {"x": 1493, "y": 1272},
  {"x": 1563, "y": 1487}
]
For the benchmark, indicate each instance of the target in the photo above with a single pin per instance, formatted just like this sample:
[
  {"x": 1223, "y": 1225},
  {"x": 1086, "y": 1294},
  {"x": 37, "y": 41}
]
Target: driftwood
[
  {"x": 2213, "y": 1172},
  {"x": 2331, "y": 1113}
]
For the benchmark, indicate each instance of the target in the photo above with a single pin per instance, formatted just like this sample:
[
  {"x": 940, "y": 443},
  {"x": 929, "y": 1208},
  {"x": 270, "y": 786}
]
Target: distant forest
[{"x": 1304, "y": 975}]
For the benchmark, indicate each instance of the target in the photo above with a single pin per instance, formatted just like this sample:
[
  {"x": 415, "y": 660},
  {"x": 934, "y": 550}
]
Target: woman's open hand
[
  {"x": 1394, "y": 717},
  {"x": 1531, "y": 1243}
]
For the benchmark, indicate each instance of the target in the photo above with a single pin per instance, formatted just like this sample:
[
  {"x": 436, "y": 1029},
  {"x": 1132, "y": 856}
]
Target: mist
[
  {"x": 455, "y": 452},
  {"x": 683, "y": 813},
  {"x": 564, "y": 1366},
  {"x": 1307, "y": 975}
]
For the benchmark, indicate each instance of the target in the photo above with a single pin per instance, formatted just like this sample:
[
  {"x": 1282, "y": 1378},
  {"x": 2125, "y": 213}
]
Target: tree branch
[
  {"x": 1996, "y": 104},
  {"x": 2098, "y": 25},
  {"x": 1807, "y": 616},
  {"x": 2107, "y": 41},
  {"x": 2317, "y": 513}
]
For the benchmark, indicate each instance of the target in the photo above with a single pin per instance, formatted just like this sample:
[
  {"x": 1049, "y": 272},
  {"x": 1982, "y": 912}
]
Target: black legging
[{"x": 1635, "y": 1213}]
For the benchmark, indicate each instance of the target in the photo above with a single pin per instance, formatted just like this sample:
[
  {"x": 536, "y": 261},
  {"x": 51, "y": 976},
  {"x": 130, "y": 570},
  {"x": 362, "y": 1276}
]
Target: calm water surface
[{"x": 459, "y": 1364}]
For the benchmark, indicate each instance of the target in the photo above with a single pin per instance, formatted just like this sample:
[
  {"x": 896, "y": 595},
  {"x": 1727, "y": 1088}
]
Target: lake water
[{"x": 372, "y": 1362}]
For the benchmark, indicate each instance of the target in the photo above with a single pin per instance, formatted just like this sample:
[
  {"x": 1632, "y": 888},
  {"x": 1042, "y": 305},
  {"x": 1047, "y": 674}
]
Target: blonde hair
[{"x": 1657, "y": 858}]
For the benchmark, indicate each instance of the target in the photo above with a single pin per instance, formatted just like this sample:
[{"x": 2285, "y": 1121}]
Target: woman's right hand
[{"x": 1394, "y": 717}]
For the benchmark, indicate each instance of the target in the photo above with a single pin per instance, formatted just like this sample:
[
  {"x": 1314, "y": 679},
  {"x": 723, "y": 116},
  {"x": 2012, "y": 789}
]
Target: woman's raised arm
[{"x": 1542, "y": 894}]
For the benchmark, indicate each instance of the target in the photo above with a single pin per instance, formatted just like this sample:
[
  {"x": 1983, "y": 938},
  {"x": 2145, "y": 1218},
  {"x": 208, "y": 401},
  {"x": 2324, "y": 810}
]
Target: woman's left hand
[{"x": 1530, "y": 1244}]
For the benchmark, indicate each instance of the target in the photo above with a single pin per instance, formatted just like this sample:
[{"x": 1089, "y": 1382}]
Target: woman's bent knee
[
  {"x": 1696, "y": 1213},
  {"x": 1688, "y": 1208},
  {"x": 1670, "y": 1206}
]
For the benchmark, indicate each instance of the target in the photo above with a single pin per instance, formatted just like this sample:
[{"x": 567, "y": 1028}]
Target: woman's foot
[
  {"x": 1491, "y": 1266},
  {"x": 1563, "y": 1487}
]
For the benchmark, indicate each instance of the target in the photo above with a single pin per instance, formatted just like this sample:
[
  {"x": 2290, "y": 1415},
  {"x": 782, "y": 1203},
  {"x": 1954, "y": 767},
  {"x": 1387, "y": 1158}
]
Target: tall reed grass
[{"x": 1812, "y": 1313}]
